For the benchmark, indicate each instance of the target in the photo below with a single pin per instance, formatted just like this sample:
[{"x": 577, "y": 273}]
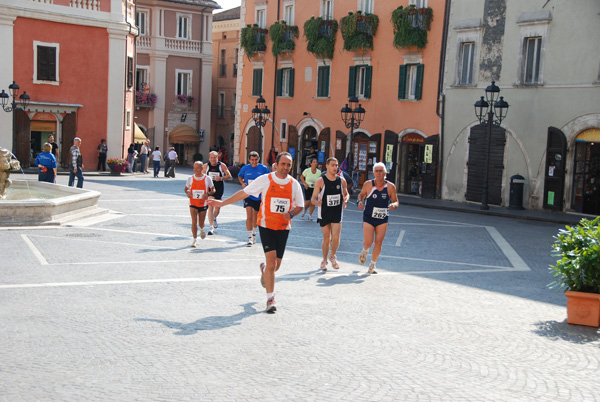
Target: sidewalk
[{"x": 566, "y": 218}]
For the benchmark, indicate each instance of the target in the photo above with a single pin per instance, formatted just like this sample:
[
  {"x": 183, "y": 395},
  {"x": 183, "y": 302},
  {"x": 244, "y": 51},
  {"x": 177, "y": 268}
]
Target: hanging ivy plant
[
  {"x": 282, "y": 36},
  {"x": 358, "y": 30},
  {"x": 411, "y": 25},
  {"x": 253, "y": 40},
  {"x": 320, "y": 35}
]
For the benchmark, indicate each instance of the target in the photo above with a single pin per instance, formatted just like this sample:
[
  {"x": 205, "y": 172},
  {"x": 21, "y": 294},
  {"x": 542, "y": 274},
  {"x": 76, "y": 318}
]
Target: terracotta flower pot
[{"x": 583, "y": 308}]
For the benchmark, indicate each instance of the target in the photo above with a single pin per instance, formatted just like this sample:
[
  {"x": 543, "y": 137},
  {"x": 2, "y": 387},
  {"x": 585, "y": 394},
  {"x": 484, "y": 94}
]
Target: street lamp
[
  {"x": 8, "y": 106},
  {"x": 260, "y": 114},
  {"x": 492, "y": 106},
  {"x": 352, "y": 116}
]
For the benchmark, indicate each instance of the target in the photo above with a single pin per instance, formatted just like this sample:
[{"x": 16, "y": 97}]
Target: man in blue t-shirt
[{"x": 246, "y": 175}]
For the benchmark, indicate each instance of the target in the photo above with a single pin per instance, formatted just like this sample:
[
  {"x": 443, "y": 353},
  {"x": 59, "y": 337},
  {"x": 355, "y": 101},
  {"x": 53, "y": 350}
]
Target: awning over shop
[
  {"x": 183, "y": 134},
  {"x": 138, "y": 134},
  {"x": 589, "y": 135}
]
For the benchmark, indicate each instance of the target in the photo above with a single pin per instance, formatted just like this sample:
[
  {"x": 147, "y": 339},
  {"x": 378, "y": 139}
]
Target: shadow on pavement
[
  {"x": 208, "y": 323},
  {"x": 350, "y": 279},
  {"x": 578, "y": 334}
]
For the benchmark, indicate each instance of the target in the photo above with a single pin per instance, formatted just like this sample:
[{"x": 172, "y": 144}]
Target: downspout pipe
[
  {"x": 126, "y": 88},
  {"x": 274, "y": 91},
  {"x": 202, "y": 30},
  {"x": 441, "y": 103}
]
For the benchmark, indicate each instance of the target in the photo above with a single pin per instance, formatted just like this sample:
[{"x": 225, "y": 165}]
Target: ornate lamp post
[
  {"x": 352, "y": 116},
  {"x": 11, "y": 106},
  {"x": 492, "y": 107},
  {"x": 260, "y": 115}
]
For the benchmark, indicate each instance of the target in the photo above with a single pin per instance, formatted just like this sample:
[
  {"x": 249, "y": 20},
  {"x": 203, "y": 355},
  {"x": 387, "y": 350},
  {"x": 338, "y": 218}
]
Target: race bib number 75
[{"x": 280, "y": 205}]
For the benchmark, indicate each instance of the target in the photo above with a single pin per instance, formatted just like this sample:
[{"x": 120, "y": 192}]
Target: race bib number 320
[
  {"x": 280, "y": 205},
  {"x": 379, "y": 213}
]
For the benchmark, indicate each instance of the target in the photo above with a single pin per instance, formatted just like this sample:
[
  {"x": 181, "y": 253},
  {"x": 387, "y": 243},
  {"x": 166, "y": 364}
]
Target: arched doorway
[
  {"x": 253, "y": 142},
  {"x": 309, "y": 146},
  {"x": 586, "y": 175},
  {"x": 185, "y": 139},
  {"x": 412, "y": 150}
]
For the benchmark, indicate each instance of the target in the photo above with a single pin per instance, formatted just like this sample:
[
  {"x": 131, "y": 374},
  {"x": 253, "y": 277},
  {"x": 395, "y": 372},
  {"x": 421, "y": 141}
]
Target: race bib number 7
[
  {"x": 379, "y": 213},
  {"x": 280, "y": 205},
  {"x": 197, "y": 194}
]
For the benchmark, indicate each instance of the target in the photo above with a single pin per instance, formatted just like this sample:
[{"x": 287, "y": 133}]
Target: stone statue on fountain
[{"x": 6, "y": 165}]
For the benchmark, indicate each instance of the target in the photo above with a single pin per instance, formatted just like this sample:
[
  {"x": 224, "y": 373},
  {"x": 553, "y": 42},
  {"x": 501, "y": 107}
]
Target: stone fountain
[{"x": 29, "y": 202}]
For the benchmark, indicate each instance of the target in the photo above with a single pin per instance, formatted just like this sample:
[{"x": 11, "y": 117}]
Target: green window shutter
[
  {"x": 323, "y": 84},
  {"x": 291, "y": 88},
  {"x": 352, "y": 81},
  {"x": 419, "y": 88},
  {"x": 402, "y": 82},
  {"x": 279, "y": 81},
  {"x": 368, "y": 77},
  {"x": 256, "y": 82}
]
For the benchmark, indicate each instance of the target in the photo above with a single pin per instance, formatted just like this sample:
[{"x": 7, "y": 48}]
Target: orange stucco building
[
  {"x": 72, "y": 59},
  {"x": 305, "y": 92}
]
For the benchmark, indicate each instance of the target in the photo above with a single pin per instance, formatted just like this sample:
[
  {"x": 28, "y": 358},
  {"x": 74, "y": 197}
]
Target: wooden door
[
  {"x": 69, "y": 132},
  {"x": 23, "y": 140},
  {"x": 476, "y": 164},
  {"x": 253, "y": 142},
  {"x": 323, "y": 148},
  {"x": 554, "y": 180},
  {"x": 430, "y": 167}
]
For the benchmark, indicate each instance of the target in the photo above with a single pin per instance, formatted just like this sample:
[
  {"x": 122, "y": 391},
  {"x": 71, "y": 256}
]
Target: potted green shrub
[{"x": 578, "y": 271}]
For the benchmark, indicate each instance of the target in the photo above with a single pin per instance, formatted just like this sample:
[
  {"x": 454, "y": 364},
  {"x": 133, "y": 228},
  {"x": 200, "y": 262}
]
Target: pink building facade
[
  {"x": 305, "y": 87},
  {"x": 173, "y": 75},
  {"x": 75, "y": 60}
]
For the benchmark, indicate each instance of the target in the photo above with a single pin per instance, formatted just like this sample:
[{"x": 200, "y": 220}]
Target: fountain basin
[{"x": 48, "y": 204}]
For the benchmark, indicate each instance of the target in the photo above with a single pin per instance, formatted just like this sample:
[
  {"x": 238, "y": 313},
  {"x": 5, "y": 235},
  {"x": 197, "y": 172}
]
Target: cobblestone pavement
[{"x": 121, "y": 308}]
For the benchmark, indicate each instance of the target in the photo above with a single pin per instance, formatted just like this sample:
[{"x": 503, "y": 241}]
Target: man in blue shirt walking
[{"x": 247, "y": 175}]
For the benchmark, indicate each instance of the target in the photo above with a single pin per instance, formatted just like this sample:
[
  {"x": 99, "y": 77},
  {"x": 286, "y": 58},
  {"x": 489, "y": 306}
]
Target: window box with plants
[
  {"x": 578, "y": 271},
  {"x": 253, "y": 40},
  {"x": 358, "y": 30},
  {"x": 320, "y": 35},
  {"x": 411, "y": 25},
  {"x": 183, "y": 101},
  {"x": 145, "y": 99},
  {"x": 282, "y": 35}
]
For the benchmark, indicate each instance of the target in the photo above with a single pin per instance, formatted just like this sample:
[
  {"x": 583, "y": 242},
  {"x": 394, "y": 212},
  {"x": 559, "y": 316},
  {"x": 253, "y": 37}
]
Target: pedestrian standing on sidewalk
[
  {"x": 102, "y": 150},
  {"x": 143, "y": 157},
  {"x": 76, "y": 164},
  {"x": 377, "y": 197},
  {"x": 156, "y": 155},
  {"x": 130, "y": 156},
  {"x": 54, "y": 147},
  {"x": 218, "y": 172},
  {"x": 246, "y": 175},
  {"x": 171, "y": 161},
  {"x": 330, "y": 196},
  {"x": 309, "y": 177},
  {"x": 281, "y": 200},
  {"x": 198, "y": 188}
]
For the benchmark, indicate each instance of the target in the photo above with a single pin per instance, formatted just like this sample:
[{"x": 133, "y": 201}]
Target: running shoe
[
  {"x": 262, "y": 274},
  {"x": 334, "y": 262},
  {"x": 215, "y": 223},
  {"x": 363, "y": 256},
  {"x": 253, "y": 238},
  {"x": 202, "y": 234},
  {"x": 372, "y": 269},
  {"x": 323, "y": 265},
  {"x": 194, "y": 243},
  {"x": 249, "y": 243},
  {"x": 309, "y": 217},
  {"x": 271, "y": 306},
  {"x": 211, "y": 232}
]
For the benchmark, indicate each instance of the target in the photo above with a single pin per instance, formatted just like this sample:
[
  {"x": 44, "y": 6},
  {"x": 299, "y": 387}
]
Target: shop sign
[{"x": 413, "y": 139}]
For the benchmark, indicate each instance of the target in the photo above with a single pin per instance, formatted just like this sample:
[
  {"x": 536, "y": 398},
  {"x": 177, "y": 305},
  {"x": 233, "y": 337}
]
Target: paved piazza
[{"x": 119, "y": 307}]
